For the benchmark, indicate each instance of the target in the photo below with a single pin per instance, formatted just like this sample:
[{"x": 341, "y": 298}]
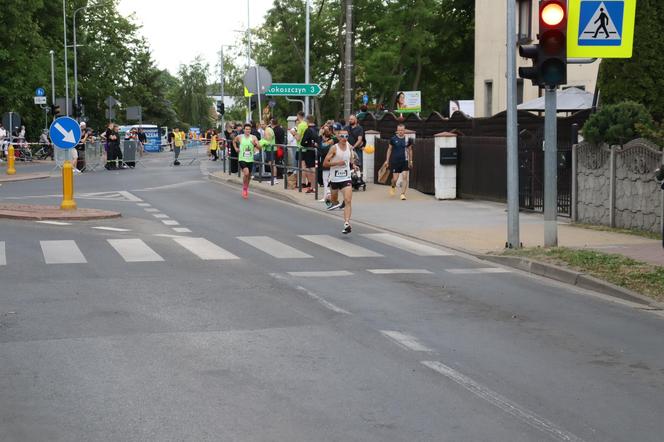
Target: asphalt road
[{"x": 200, "y": 316}]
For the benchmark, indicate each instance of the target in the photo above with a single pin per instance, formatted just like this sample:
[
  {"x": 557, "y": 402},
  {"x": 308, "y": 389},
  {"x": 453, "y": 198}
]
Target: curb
[
  {"x": 550, "y": 271},
  {"x": 15, "y": 178},
  {"x": 75, "y": 215},
  {"x": 572, "y": 277}
]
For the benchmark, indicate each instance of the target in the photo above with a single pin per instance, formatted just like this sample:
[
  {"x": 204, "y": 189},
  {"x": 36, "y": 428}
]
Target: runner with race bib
[
  {"x": 340, "y": 160},
  {"x": 245, "y": 145}
]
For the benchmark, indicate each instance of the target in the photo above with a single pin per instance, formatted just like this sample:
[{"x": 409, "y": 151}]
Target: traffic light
[
  {"x": 550, "y": 54},
  {"x": 553, "y": 42},
  {"x": 221, "y": 108}
]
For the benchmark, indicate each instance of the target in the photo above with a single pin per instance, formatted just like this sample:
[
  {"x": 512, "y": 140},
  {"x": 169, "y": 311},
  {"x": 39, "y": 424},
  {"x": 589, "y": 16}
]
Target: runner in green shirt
[{"x": 244, "y": 145}]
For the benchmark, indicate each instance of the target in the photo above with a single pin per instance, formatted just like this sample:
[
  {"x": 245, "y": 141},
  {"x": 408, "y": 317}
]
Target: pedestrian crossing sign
[{"x": 600, "y": 28}]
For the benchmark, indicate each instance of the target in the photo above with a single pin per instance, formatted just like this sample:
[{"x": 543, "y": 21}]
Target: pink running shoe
[{"x": 245, "y": 193}]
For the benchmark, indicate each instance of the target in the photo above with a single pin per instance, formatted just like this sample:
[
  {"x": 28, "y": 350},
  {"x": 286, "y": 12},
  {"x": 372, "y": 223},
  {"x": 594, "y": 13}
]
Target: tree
[
  {"x": 617, "y": 123},
  {"x": 192, "y": 101},
  {"x": 640, "y": 78}
]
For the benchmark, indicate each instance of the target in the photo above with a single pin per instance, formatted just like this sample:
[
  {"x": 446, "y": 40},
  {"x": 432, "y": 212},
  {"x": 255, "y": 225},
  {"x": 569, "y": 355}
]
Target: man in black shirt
[
  {"x": 142, "y": 140},
  {"x": 310, "y": 140},
  {"x": 355, "y": 137},
  {"x": 400, "y": 160}
]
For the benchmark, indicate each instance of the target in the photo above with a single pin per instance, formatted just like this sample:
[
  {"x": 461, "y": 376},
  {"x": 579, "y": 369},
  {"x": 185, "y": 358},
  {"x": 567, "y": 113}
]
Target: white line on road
[
  {"x": 204, "y": 249},
  {"x": 503, "y": 403},
  {"x": 160, "y": 215},
  {"x": 3, "y": 256},
  {"x": 478, "y": 271},
  {"x": 169, "y": 186},
  {"x": 111, "y": 229},
  {"x": 134, "y": 250},
  {"x": 54, "y": 223},
  {"x": 325, "y": 303},
  {"x": 144, "y": 204},
  {"x": 407, "y": 245},
  {"x": 62, "y": 252},
  {"x": 344, "y": 247},
  {"x": 130, "y": 196},
  {"x": 181, "y": 230},
  {"x": 399, "y": 271},
  {"x": 323, "y": 274},
  {"x": 407, "y": 341},
  {"x": 170, "y": 222},
  {"x": 273, "y": 247},
  {"x": 151, "y": 210}
]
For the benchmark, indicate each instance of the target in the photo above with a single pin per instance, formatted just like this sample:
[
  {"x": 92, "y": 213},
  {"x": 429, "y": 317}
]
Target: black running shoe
[{"x": 347, "y": 229}]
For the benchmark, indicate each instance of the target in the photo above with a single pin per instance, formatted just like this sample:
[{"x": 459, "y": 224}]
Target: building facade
[{"x": 491, "y": 56}]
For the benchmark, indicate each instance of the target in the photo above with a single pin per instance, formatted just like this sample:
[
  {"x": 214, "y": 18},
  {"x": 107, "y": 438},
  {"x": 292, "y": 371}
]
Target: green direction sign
[{"x": 294, "y": 90}]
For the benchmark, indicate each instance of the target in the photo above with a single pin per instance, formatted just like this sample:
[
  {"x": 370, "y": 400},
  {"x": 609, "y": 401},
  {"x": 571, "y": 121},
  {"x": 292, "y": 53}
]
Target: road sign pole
[
  {"x": 550, "y": 169},
  {"x": 53, "y": 79},
  {"x": 258, "y": 97},
  {"x": 512, "y": 145},
  {"x": 64, "y": 22},
  {"x": 307, "y": 107}
]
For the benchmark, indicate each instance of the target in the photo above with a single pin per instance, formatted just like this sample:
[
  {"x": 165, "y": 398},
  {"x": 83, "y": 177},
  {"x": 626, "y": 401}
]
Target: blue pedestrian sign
[
  {"x": 65, "y": 133},
  {"x": 40, "y": 92},
  {"x": 601, "y": 23},
  {"x": 600, "y": 28}
]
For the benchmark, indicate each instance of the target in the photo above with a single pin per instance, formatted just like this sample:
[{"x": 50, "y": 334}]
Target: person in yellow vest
[
  {"x": 178, "y": 141},
  {"x": 214, "y": 146}
]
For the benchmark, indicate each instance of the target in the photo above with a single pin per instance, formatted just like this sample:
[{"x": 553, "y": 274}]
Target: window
[
  {"x": 524, "y": 20},
  {"x": 519, "y": 91},
  {"x": 488, "y": 98}
]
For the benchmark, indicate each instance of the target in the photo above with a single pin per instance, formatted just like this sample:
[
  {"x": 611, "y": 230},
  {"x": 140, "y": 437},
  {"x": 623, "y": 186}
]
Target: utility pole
[
  {"x": 64, "y": 23},
  {"x": 550, "y": 168},
  {"x": 52, "y": 52},
  {"x": 249, "y": 112},
  {"x": 512, "y": 141},
  {"x": 307, "y": 107},
  {"x": 222, "y": 85},
  {"x": 348, "y": 59}
]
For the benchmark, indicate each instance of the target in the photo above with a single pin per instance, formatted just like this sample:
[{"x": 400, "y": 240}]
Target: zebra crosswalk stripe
[
  {"x": 204, "y": 249},
  {"x": 134, "y": 250},
  {"x": 405, "y": 244},
  {"x": 3, "y": 257},
  {"x": 273, "y": 247},
  {"x": 341, "y": 246},
  {"x": 62, "y": 252}
]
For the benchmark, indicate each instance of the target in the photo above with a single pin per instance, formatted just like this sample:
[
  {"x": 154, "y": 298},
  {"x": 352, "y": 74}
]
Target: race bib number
[
  {"x": 247, "y": 154},
  {"x": 340, "y": 173}
]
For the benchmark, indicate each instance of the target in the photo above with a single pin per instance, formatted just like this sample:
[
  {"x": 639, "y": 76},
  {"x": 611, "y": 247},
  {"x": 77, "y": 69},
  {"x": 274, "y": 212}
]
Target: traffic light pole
[
  {"x": 512, "y": 142},
  {"x": 550, "y": 168}
]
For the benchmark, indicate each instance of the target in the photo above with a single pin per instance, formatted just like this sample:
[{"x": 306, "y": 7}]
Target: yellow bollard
[
  {"x": 11, "y": 170},
  {"x": 68, "y": 202}
]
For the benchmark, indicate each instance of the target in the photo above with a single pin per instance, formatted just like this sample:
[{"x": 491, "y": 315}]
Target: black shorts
[
  {"x": 399, "y": 167},
  {"x": 309, "y": 158},
  {"x": 245, "y": 165},
  {"x": 340, "y": 185}
]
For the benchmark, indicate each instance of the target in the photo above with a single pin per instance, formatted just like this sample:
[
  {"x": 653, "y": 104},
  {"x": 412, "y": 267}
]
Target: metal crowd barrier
[
  {"x": 286, "y": 166},
  {"x": 94, "y": 156}
]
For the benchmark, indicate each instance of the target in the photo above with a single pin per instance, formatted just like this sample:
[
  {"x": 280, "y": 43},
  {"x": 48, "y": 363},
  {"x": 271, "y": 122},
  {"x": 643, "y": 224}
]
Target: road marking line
[
  {"x": 167, "y": 235},
  {"x": 204, "y": 249},
  {"x": 325, "y": 303},
  {"x": 144, "y": 204},
  {"x": 170, "y": 222},
  {"x": 399, "y": 271},
  {"x": 151, "y": 210},
  {"x": 181, "y": 230},
  {"x": 134, "y": 250},
  {"x": 320, "y": 274},
  {"x": 169, "y": 186},
  {"x": 3, "y": 256},
  {"x": 478, "y": 271},
  {"x": 273, "y": 247},
  {"x": 407, "y": 245},
  {"x": 112, "y": 229},
  {"x": 62, "y": 252},
  {"x": 502, "y": 402},
  {"x": 160, "y": 215},
  {"x": 130, "y": 196},
  {"x": 54, "y": 223},
  {"x": 407, "y": 341},
  {"x": 341, "y": 246}
]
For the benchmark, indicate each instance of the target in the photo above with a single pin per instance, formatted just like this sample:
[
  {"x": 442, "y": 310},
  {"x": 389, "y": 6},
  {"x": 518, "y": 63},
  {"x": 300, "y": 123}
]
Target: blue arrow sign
[
  {"x": 40, "y": 92},
  {"x": 65, "y": 133}
]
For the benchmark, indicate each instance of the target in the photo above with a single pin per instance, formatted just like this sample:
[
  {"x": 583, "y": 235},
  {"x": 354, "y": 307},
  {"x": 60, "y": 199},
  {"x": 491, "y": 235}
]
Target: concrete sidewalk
[{"x": 474, "y": 226}]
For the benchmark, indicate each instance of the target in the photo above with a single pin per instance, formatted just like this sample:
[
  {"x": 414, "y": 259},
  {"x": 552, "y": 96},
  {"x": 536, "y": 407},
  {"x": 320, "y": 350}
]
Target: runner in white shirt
[{"x": 340, "y": 159}]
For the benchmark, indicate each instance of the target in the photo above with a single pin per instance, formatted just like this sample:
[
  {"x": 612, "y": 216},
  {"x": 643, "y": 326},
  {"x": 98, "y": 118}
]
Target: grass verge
[
  {"x": 635, "y": 232},
  {"x": 620, "y": 270}
]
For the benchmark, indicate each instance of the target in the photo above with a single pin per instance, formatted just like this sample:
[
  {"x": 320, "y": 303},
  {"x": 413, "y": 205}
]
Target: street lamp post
[
  {"x": 64, "y": 28},
  {"x": 307, "y": 106},
  {"x": 76, "y": 61},
  {"x": 52, "y": 52}
]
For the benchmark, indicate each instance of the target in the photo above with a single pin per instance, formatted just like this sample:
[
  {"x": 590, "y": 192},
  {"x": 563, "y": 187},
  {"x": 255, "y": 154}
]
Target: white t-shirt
[{"x": 339, "y": 174}]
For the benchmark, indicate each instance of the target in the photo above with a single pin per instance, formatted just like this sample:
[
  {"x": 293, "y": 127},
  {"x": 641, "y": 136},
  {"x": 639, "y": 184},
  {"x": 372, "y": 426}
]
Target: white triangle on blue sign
[{"x": 601, "y": 26}]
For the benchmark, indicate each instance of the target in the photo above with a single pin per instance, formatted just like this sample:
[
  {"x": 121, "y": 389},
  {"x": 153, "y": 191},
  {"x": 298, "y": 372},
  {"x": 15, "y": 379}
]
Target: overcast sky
[{"x": 177, "y": 31}]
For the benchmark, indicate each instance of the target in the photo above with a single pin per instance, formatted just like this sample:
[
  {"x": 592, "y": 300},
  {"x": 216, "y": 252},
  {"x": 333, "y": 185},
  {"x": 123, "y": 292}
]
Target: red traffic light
[{"x": 552, "y": 14}]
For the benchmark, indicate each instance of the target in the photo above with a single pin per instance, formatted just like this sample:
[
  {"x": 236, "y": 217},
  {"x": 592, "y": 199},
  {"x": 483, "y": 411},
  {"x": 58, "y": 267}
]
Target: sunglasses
[{"x": 343, "y": 136}]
